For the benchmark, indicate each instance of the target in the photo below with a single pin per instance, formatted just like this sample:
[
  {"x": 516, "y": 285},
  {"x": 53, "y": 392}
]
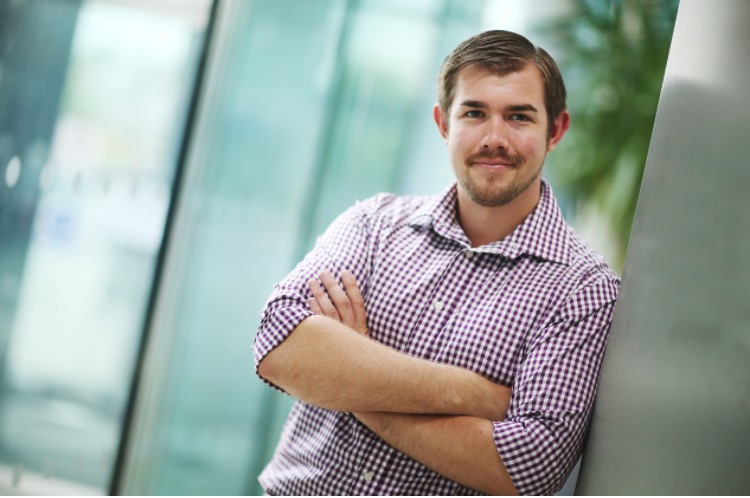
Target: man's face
[{"x": 497, "y": 134}]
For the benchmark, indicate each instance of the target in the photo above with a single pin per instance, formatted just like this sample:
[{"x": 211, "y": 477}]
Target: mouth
[{"x": 494, "y": 164}]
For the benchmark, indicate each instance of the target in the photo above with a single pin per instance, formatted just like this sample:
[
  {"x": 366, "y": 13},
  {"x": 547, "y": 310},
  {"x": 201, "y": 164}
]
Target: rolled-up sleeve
[
  {"x": 346, "y": 244},
  {"x": 554, "y": 389}
]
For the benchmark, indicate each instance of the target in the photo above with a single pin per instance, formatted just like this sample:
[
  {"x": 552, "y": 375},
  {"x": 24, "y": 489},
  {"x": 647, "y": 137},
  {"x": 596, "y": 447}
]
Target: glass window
[
  {"x": 308, "y": 107},
  {"x": 93, "y": 98}
]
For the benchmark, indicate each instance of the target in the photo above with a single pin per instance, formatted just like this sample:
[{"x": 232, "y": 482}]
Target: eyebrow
[
  {"x": 478, "y": 104},
  {"x": 523, "y": 108}
]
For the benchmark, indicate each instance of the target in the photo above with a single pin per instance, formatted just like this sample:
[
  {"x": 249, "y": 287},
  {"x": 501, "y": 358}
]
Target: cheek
[
  {"x": 529, "y": 145},
  {"x": 462, "y": 141}
]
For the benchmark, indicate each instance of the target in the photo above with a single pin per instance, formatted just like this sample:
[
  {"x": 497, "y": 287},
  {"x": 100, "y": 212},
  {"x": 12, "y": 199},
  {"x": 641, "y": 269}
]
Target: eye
[
  {"x": 474, "y": 114},
  {"x": 520, "y": 117}
]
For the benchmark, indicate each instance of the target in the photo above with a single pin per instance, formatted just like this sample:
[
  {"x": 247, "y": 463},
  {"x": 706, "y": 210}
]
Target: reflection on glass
[
  {"x": 12, "y": 172},
  {"x": 82, "y": 212},
  {"x": 308, "y": 107}
]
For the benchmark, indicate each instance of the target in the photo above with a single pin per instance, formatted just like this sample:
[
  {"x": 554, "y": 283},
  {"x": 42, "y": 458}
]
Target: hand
[
  {"x": 344, "y": 305},
  {"x": 347, "y": 306}
]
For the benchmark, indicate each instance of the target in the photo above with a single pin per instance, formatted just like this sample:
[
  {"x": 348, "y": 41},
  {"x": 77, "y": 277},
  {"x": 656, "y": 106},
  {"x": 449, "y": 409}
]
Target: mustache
[{"x": 497, "y": 155}]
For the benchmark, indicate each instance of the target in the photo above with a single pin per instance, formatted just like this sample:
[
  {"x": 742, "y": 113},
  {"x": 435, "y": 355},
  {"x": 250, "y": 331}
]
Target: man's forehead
[{"x": 475, "y": 83}]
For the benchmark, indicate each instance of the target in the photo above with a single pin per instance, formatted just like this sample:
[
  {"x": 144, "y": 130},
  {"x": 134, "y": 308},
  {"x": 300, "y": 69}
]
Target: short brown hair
[{"x": 502, "y": 52}]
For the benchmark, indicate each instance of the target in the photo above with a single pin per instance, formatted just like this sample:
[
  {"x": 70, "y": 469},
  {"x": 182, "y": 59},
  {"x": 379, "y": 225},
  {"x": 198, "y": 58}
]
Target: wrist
[
  {"x": 486, "y": 399},
  {"x": 378, "y": 422}
]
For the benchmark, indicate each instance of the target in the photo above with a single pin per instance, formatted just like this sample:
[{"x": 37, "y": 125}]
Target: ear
[
  {"x": 560, "y": 126},
  {"x": 441, "y": 120}
]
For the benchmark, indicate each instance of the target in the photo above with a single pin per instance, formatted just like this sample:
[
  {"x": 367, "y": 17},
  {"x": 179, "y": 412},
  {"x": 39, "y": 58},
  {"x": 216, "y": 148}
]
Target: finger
[
  {"x": 312, "y": 303},
  {"x": 326, "y": 306},
  {"x": 338, "y": 297},
  {"x": 357, "y": 302}
]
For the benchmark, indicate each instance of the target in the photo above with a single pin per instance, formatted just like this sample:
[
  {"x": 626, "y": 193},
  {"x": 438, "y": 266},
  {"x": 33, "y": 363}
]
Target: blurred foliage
[{"x": 615, "y": 54}]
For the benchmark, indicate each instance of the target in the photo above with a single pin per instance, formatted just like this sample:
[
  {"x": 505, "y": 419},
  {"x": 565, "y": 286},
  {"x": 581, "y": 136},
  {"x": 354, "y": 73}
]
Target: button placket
[
  {"x": 440, "y": 302},
  {"x": 364, "y": 481}
]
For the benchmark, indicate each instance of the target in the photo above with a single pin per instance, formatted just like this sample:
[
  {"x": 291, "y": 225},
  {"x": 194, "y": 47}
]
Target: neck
[{"x": 486, "y": 224}]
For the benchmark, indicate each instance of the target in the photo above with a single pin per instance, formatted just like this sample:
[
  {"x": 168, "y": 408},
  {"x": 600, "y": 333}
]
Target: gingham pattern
[{"x": 531, "y": 311}]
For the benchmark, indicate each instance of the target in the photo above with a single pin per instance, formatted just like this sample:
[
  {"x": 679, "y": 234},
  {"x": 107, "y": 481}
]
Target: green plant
[{"x": 614, "y": 56}]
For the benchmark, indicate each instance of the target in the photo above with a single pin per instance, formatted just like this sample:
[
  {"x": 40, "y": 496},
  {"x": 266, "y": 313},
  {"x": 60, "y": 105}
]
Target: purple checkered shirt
[{"x": 531, "y": 311}]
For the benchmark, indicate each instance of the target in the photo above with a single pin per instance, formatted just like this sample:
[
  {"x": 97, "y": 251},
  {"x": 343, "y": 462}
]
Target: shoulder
[
  {"x": 565, "y": 260},
  {"x": 593, "y": 282},
  {"x": 389, "y": 209},
  {"x": 373, "y": 216},
  {"x": 581, "y": 292},
  {"x": 588, "y": 261}
]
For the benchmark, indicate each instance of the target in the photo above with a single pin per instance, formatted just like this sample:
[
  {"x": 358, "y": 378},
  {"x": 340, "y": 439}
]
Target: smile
[{"x": 493, "y": 166}]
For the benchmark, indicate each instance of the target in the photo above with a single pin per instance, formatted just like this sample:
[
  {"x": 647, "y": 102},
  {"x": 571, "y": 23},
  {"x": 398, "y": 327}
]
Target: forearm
[
  {"x": 461, "y": 448},
  {"x": 324, "y": 363}
]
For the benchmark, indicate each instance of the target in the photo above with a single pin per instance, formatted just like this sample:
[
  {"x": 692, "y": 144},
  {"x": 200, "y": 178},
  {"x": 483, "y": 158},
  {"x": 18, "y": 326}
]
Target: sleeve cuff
[
  {"x": 531, "y": 455},
  {"x": 274, "y": 330}
]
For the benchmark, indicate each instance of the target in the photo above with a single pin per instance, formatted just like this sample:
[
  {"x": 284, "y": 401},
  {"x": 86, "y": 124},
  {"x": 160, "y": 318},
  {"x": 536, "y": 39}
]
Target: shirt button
[
  {"x": 367, "y": 476},
  {"x": 469, "y": 254},
  {"x": 438, "y": 305}
]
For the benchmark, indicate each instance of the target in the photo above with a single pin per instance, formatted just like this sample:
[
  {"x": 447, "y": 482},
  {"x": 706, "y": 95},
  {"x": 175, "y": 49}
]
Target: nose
[{"x": 495, "y": 136}]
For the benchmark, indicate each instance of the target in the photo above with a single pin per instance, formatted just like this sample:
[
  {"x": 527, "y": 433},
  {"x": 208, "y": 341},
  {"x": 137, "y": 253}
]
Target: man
[{"x": 456, "y": 298}]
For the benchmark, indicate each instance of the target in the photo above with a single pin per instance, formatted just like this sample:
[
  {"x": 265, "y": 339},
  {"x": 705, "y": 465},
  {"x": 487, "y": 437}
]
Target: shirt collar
[{"x": 543, "y": 234}]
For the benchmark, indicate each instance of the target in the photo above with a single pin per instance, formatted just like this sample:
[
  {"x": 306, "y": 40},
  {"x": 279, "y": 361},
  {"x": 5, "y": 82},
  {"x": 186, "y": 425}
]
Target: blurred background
[{"x": 164, "y": 162}]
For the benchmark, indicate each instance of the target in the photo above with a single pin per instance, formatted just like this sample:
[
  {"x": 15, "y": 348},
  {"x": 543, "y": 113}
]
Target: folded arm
[
  {"x": 323, "y": 363},
  {"x": 320, "y": 361},
  {"x": 460, "y": 447},
  {"x": 540, "y": 438}
]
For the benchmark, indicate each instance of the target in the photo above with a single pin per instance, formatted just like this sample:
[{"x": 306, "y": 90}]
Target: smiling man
[{"x": 459, "y": 353}]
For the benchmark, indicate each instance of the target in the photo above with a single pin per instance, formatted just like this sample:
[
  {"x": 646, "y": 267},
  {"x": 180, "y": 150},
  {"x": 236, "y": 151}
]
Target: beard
[{"x": 485, "y": 191}]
